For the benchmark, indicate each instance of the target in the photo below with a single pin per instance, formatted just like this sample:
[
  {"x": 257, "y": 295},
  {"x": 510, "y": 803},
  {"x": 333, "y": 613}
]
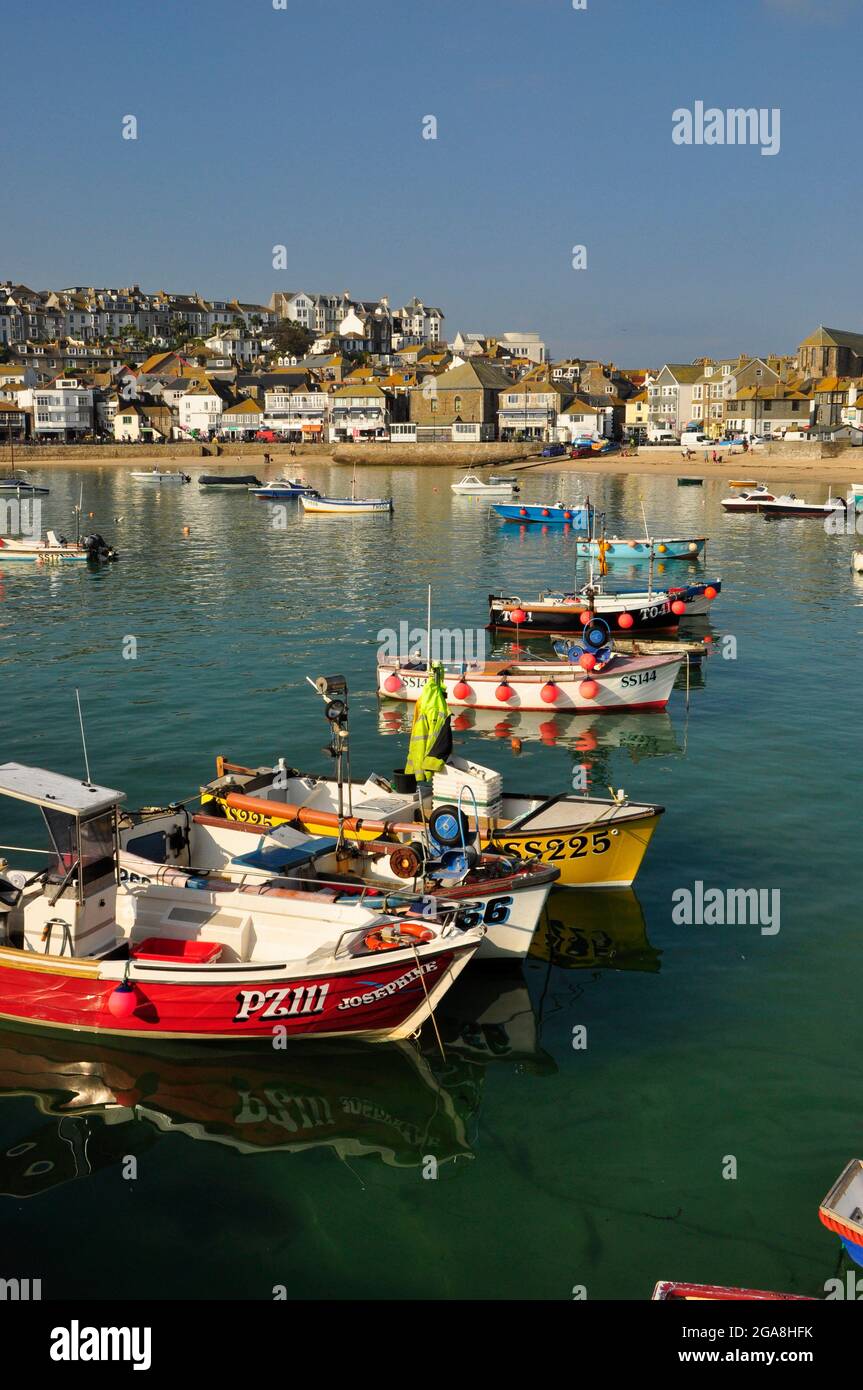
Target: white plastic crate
[{"x": 459, "y": 773}]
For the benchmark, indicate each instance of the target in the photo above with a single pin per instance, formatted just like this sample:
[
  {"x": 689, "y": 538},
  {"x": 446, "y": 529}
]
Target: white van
[
  {"x": 694, "y": 439},
  {"x": 661, "y": 437}
]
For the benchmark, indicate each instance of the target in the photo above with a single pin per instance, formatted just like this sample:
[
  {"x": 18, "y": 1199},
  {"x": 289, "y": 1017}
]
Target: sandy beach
[
  {"x": 788, "y": 467},
  {"x": 846, "y": 467}
]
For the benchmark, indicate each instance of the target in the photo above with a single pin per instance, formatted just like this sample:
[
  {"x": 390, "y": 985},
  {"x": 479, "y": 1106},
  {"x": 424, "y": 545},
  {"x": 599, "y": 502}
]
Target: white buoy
[{"x": 857, "y": 561}]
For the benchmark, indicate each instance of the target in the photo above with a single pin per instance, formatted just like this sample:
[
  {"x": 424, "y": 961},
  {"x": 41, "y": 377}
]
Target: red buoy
[
  {"x": 567, "y": 516},
  {"x": 504, "y": 691},
  {"x": 461, "y": 690},
  {"x": 522, "y": 511},
  {"x": 710, "y": 592},
  {"x": 625, "y": 620},
  {"x": 584, "y": 618},
  {"x": 588, "y": 690},
  {"x": 123, "y": 1001},
  {"x": 546, "y": 512},
  {"x": 587, "y": 661},
  {"x": 549, "y": 693},
  {"x": 518, "y": 615},
  {"x": 392, "y": 682},
  {"x": 678, "y": 607}
]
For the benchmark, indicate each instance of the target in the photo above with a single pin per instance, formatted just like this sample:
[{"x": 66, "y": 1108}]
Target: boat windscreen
[
  {"x": 97, "y": 846},
  {"x": 61, "y": 828},
  {"x": 97, "y": 843}
]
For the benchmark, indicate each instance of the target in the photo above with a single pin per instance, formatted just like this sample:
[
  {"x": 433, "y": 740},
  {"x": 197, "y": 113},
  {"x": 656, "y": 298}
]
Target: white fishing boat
[
  {"x": 158, "y": 475},
  {"x": 347, "y": 505},
  {"x": 56, "y": 550},
  {"x": 457, "y": 884},
  {"x": 759, "y": 499},
  {"x": 473, "y": 486},
  {"x": 623, "y": 682}
]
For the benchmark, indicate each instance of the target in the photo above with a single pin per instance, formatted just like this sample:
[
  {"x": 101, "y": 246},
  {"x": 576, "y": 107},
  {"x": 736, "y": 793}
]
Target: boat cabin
[{"x": 69, "y": 908}]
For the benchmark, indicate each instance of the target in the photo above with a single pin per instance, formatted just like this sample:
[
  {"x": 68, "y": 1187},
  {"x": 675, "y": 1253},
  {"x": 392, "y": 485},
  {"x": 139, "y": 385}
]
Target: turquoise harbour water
[{"x": 557, "y": 1167}]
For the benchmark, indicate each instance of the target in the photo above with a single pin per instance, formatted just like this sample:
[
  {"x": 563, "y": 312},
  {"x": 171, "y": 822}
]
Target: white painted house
[
  {"x": 358, "y": 412},
  {"x": 298, "y": 412},
  {"x": 200, "y": 410},
  {"x": 583, "y": 421},
  {"x": 64, "y": 409}
]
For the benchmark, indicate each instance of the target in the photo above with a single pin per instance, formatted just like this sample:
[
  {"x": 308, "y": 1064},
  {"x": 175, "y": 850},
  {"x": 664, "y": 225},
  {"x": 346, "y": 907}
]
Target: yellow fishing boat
[{"x": 595, "y": 842}]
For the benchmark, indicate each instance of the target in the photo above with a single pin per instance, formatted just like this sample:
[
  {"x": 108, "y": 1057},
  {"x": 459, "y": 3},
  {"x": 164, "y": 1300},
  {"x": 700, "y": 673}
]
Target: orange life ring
[{"x": 381, "y": 939}]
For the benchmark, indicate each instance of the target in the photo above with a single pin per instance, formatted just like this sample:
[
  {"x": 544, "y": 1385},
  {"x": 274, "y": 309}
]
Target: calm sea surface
[{"x": 557, "y": 1167}]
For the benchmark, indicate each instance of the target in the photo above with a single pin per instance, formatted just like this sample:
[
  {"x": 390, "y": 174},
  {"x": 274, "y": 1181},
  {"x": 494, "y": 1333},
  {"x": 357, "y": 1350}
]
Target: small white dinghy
[
  {"x": 156, "y": 475},
  {"x": 473, "y": 486},
  {"x": 347, "y": 505},
  {"x": 56, "y": 550}
]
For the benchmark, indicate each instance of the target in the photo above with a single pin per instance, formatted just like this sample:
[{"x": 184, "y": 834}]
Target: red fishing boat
[
  {"x": 669, "y": 1291},
  {"x": 82, "y": 950}
]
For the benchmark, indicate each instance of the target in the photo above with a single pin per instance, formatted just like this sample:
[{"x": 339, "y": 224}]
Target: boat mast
[{"x": 650, "y": 544}]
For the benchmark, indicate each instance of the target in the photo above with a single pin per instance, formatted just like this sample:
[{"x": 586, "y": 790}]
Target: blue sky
[{"x": 303, "y": 127}]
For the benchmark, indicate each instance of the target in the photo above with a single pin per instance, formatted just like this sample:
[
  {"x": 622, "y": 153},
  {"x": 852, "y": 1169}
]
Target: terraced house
[
  {"x": 529, "y": 409},
  {"x": 771, "y": 411},
  {"x": 670, "y": 397}
]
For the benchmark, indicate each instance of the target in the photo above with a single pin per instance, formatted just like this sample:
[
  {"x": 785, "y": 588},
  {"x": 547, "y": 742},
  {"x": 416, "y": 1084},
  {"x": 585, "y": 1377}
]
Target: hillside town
[{"x": 87, "y": 365}]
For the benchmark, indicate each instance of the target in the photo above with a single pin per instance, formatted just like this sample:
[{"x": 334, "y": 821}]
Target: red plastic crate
[{"x": 171, "y": 948}]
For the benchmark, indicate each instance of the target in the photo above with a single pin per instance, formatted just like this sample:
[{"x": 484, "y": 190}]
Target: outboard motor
[{"x": 98, "y": 550}]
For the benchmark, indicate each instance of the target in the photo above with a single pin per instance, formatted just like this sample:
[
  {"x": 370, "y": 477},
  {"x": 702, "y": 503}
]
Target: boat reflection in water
[
  {"x": 488, "y": 1017},
  {"x": 647, "y": 735},
  {"x": 106, "y": 1103},
  {"x": 390, "y": 1103},
  {"x": 583, "y": 930}
]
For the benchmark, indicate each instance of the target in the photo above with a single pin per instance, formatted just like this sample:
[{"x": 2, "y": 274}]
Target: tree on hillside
[{"x": 292, "y": 338}]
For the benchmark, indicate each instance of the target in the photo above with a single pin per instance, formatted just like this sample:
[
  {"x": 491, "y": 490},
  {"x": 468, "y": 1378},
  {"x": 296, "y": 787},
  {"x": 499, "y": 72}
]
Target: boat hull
[
  {"x": 630, "y": 550},
  {"x": 578, "y": 518},
  {"x": 649, "y": 612},
  {"x": 373, "y": 997},
  {"x": 631, "y": 683},
  {"x": 42, "y": 555},
  {"x": 592, "y": 843},
  {"x": 345, "y": 506}
]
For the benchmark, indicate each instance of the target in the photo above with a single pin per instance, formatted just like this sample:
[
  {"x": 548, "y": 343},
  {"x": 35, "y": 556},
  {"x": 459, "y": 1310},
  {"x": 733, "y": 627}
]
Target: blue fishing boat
[
  {"x": 617, "y": 548},
  {"x": 578, "y": 515},
  {"x": 284, "y": 487}
]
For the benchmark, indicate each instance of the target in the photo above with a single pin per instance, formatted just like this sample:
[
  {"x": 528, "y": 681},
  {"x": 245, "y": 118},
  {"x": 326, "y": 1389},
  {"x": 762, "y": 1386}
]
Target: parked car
[{"x": 553, "y": 451}]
